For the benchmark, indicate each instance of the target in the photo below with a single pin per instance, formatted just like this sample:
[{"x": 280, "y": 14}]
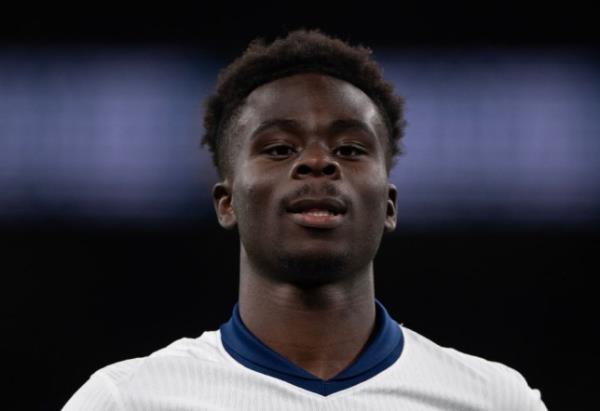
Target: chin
[{"x": 314, "y": 269}]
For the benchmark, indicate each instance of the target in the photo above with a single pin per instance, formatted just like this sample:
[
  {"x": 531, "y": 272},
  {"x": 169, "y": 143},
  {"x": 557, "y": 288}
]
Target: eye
[
  {"x": 349, "y": 151},
  {"x": 279, "y": 151}
]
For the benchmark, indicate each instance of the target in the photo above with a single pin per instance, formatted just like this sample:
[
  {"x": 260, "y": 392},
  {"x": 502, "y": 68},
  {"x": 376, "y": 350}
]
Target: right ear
[{"x": 223, "y": 202}]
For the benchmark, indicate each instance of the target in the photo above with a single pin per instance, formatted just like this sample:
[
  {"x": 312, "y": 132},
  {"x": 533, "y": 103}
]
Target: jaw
[{"x": 316, "y": 258}]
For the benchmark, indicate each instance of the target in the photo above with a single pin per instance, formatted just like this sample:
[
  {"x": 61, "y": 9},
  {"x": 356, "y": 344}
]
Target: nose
[{"x": 316, "y": 161}]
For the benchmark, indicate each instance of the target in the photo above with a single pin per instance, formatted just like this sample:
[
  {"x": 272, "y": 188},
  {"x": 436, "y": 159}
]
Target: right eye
[{"x": 279, "y": 151}]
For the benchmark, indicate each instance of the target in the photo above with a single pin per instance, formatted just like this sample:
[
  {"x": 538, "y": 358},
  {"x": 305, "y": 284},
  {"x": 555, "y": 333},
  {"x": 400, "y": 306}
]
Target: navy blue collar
[{"x": 383, "y": 350}]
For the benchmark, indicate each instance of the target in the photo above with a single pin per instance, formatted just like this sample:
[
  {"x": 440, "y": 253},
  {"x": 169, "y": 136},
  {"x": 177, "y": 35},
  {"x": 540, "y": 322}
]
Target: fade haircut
[{"x": 301, "y": 51}]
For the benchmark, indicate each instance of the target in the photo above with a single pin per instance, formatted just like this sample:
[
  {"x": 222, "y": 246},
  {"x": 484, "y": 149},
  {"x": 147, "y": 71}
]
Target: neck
[{"x": 322, "y": 329}]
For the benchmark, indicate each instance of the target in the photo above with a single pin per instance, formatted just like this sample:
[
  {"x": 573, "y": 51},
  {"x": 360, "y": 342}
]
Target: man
[{"x": 304, "y": 132}]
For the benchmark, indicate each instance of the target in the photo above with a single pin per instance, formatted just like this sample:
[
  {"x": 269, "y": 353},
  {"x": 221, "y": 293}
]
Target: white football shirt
[{"x": 230, "y": 369}]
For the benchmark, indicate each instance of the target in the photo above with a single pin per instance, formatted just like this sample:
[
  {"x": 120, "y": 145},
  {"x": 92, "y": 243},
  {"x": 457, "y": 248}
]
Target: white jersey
[{"x": 202, "y": 374}]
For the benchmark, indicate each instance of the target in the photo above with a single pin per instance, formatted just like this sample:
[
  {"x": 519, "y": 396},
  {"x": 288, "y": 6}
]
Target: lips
[
  {"x": 330, "y": 204},
  {"x": 324, "y": 213}
]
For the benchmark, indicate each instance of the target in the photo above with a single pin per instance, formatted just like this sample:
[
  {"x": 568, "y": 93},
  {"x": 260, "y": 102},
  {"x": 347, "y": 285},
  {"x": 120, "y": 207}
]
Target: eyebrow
[
  {"x": 341, "y": 125},
  {"x": 281, "y": 123},
  {"x": 335, "y": 127}
]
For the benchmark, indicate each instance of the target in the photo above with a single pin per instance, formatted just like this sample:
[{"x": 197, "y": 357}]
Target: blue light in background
[
  {"x": 502, "y": 135},
  {"x": 495, "y": 135},
  {"x": 103, "y": 133}
]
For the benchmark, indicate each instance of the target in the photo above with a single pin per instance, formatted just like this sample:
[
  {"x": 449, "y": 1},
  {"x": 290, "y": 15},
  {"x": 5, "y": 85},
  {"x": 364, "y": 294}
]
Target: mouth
[{"x": 325, "y": 213}]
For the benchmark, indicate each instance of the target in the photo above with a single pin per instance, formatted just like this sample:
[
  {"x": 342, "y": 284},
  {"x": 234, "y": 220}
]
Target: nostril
[
  {"x": 329, "y": 169},
  {"x": 303, "y": 169}
]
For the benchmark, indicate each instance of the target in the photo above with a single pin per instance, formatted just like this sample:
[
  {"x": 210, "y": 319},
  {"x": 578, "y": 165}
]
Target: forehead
[{"x": 311, "y": 98}]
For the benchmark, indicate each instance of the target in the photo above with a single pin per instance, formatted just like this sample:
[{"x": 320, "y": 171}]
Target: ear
[
  {"x": 391, "y": 209},
  {"x": 223, "y": 202}
]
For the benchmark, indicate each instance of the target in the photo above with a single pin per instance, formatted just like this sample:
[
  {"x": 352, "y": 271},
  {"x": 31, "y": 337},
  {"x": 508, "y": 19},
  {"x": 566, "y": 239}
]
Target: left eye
[
  {"x": 279, "y": 151},
  {"x": 349, "y": 151}
]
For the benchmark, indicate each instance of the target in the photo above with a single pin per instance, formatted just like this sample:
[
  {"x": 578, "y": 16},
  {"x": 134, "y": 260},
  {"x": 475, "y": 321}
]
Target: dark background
[{"x": 83, "y": 288}]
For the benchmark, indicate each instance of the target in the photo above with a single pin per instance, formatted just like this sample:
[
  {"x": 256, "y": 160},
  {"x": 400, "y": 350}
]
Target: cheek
[
  {"x": 252, "y": 196},
  {"x": 376, "y": 207},
  {"x": 374, "y": 193}
]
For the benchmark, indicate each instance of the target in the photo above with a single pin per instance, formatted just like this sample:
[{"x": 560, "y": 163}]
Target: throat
[
  {"x": 322, "y": 329},
  {"x": 322, "y": 342}
]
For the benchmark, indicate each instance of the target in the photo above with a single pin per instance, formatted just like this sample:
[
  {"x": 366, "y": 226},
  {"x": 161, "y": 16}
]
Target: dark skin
[{"x": 308, "y": 191}]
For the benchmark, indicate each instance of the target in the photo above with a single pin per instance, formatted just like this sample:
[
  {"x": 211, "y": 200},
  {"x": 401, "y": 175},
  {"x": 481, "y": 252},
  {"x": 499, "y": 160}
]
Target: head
[{"x": 303, "y": 133}]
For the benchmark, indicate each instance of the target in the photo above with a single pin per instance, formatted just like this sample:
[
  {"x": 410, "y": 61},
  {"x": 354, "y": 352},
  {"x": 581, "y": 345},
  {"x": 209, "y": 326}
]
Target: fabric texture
[{"x": 200, "y": 374}]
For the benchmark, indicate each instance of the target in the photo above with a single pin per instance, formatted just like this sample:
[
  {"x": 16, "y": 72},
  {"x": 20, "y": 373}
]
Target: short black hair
[{"x": 300, "y": 51}]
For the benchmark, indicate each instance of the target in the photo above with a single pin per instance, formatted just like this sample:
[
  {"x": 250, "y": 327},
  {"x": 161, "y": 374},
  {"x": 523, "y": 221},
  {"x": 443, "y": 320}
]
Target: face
[{"x": 308, "y": 188}]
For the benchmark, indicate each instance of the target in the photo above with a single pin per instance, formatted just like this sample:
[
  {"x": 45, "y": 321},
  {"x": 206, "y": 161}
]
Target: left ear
[{"x": 391, "y": 208}]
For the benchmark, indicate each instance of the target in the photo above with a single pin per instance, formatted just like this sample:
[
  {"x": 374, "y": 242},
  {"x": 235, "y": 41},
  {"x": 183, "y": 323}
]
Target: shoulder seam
[{"x": 112, "y": 387}]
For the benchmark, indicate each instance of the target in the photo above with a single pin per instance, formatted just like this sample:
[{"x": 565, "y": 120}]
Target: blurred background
[{"x": 109, "y": 248}]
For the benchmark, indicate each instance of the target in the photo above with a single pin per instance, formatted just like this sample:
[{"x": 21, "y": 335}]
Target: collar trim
[{"x": 383, "y": 350}]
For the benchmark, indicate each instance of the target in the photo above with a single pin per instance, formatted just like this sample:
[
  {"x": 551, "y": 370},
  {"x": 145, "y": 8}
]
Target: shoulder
[
  {"x": 182, "y": 353},
  {"x": 499, "y": 386},
  {"x": 104, "y": 389}
]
